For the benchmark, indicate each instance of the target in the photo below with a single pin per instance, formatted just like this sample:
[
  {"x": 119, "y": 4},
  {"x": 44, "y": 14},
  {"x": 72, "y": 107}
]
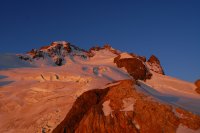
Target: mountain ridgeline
[
  {"x": 62, "y": 88},
  {"x": 61, "y": 51}
]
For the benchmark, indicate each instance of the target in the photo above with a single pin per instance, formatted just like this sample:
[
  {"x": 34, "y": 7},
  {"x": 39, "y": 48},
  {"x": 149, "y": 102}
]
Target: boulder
[{"x": 134, "y": 66}]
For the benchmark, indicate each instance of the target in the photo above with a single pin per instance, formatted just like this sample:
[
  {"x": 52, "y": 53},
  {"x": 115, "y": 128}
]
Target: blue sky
[{"x": 170, "y": 29}]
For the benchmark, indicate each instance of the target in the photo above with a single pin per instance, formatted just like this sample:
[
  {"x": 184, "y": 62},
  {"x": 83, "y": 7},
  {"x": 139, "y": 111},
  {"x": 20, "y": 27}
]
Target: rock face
[
  {"x": 58, "y": 61},
  {"x": 97, "y": 48},
  {"x": 56, "y": 51},
  {"x": 82, "y": 105},
  {"x": 197, "y": 83},
  {"x": 154, "y": 65},
  {"x": 135, "y": 66},
  {"x": 121, "y": 108}
]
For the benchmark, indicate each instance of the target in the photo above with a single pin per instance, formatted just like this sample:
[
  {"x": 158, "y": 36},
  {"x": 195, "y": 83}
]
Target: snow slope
[
  {"x": 172, "y": 91},
  {"x": 36, "y": 99},
  {"x": 12, "y": 61}
]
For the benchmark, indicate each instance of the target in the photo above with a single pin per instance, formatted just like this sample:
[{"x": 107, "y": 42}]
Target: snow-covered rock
[
  {"x": 121, "y": 108},
  {"x": 154, "y": 65},
  {"x": 39, "y": 88},
  {"x": 134, "y": 66}
]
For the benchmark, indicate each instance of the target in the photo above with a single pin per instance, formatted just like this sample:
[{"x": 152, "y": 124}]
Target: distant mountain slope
[{"x": 12, "y": 61}]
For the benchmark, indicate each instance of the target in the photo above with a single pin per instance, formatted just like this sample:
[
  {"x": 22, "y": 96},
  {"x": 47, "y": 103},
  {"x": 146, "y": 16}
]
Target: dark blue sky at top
[{"x": 170, "y": 29}]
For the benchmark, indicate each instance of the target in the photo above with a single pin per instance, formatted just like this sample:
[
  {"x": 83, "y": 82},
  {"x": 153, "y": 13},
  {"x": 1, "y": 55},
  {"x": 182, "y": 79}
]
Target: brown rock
[
  {"x": 154, "y": 59},
  {"x": 44, "y": 47},
  {"x": 143, "y": 58},
  {"x": 96, "y": 48},
  {"x": 134, "y": 66},
  {"x": 90, "y": 53},
  {"x": 79, "y": 109},
  {"x": 143, "y": 114},
  {"x": 197, "y": 90},
  {"x": 107, "y": 46},
  {"x": 154, "y": 65},
  {"x": 197, "y": 83}
]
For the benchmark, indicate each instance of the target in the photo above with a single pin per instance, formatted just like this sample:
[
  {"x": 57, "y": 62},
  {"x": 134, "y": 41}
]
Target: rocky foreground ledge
[{"x": 121, "y": 108}]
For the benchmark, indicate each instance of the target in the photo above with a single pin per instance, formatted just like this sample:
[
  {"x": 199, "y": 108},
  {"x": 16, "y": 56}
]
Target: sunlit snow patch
[
  {"x": 106, "y": 108},
  {"x": 183, "y": 129},
  {"x": 128, "y": 104},
  {"x": 125, "y": 55}
]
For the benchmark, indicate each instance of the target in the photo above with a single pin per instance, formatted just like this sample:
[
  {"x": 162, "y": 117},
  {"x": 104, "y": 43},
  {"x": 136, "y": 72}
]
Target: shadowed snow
[{"x": 172, "y": 91}]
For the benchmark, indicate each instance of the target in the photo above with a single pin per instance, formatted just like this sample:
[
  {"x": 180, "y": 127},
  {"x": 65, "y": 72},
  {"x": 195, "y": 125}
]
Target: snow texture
[
  {"x": 183, "y": 129},
  {"x": 34, "y": 94},
  {"x": 106, "y": 108},
  {"x": 125, "y": 55},
  {"x": 172, "y": 91},
  {"x": 128, "y": 104}
]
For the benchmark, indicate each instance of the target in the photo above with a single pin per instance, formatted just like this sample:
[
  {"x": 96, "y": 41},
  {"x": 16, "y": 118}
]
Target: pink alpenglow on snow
[{"x": 63, "y": 88}]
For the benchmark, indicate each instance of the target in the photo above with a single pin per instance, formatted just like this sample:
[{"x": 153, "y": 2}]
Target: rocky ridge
[
  {"x": 122, "y": 108},
  {"x": 148, "y": 102},
  {"x": 154, "y": 65},
  {"x": 58, "y": 51},
  {"x": 197, "y": 83}
]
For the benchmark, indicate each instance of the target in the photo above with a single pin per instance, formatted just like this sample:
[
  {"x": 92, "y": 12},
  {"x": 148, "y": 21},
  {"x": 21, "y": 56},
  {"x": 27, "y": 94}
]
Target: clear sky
[{"x": 170, "y": 29}]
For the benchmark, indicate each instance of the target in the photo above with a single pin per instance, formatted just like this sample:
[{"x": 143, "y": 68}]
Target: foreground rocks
[
  {"x": 82, "y": 105},
  {"x": 121, "y": 108},
  {"x": 197, "y": 83}
]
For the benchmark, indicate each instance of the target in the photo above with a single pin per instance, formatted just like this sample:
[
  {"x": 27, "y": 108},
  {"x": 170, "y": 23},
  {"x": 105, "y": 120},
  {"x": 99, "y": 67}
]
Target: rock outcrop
[
  {"x": 106, "y": 46},
  {"x": 134, "y": 65},
  {"x": 82, "y": 105},
  {"x": 59, "y": 61},
  {"x": 56, "y": 51},
  {"x": 197, "y": 83},
  {"x": 121, "y": 108},
  {"x": 154, "y": 65}
]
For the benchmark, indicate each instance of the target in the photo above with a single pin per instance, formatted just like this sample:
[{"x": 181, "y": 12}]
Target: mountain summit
[
  {"x": 60, "y": 52},
  {"x": 55, "y": 53}
]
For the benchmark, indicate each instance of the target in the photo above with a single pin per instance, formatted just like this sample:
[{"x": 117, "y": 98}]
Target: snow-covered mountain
[{"x": 63, "y": 88}]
